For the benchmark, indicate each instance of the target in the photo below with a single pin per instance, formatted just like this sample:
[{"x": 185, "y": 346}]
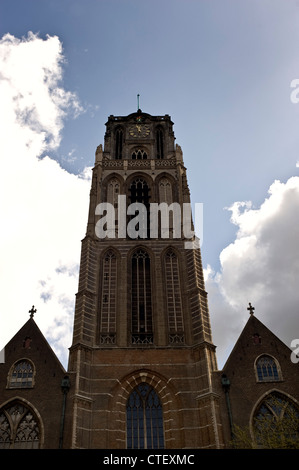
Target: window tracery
[
  {"x": 276, "y": 417},
  {"x": 173, "y": 298},
  {"x": 21, "y": 375},
  {"x": 139, "y": 154},
  {"x": 144, "y": 419},
  {"x": 19, "y": 428},
  {"x": 108, "y": 299},
  {"x": 165, "y": 191},
  {"x": 142, "y": 328},
  {"x": 267, "y": 369}
]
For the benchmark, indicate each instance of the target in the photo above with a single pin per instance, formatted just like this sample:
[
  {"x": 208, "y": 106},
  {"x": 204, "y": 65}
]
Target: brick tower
[{"x": 142, "y": 356}]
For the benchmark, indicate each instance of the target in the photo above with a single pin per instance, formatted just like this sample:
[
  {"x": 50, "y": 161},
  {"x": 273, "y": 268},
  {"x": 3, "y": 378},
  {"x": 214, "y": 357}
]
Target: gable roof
[
  {"x": 30, "y": 329},
  {"x": 253, "y": 326}
]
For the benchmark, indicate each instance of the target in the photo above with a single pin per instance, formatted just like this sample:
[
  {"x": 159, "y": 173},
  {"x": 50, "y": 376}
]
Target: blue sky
[{"x": 222, "y": 70}]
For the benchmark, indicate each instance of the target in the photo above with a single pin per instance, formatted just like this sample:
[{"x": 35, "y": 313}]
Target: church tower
[{"x": 142, "y": 356}]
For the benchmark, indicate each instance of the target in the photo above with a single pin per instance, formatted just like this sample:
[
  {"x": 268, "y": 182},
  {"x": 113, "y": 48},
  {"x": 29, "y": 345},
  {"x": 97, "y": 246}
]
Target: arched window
[
  {"x": 21, "y": 375},
  {"x": 276, "y": 422},
  {"x": 165, "y": 191},
  {"x": 139, "y": 192},
  {"x": 144, "y": 419},
  {"x": 173, "y": 298},
  {"x": 113, "y": 191},
  {"x": 159, "y": 143},
  {"x": 267, "y": 369},
  {"x": 108, "y": 299},
  {"x": 118, "y": 143},
  {"x": 142, "y": 328},
  {"x": 139, "y": 154},
  {"x": 19, "y": 427}
]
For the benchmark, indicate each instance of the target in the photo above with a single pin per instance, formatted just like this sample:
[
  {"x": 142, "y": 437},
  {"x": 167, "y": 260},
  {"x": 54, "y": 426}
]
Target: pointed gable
[
  {"x": 255, "y": 339},
  {"x": 31, "y": 389},
  {"x": 259, "y": 364}
]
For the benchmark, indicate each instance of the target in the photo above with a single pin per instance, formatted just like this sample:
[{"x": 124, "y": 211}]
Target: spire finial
[
  {"x": 138, "y": 96},
  {"x": 250, "y": 308},
  {"x": 32, "y": 311}
]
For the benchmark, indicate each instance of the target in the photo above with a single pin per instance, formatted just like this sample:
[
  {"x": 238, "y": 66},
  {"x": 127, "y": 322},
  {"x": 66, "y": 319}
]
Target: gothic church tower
[{"x": 142, "y": 355}]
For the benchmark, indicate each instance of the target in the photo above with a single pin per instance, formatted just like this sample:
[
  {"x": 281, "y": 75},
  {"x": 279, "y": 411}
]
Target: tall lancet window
[
  {"x": 118, "y": 143},
  {"x": 159, "y": 143},
  {"x": 165, "y": 196},
  {"x": 108, "y": 300},
  {"x": 165, "y": 191},
  {"x": 144, "y": 419},
  {"x": 142, "y": 328},
  {"x": 113, "y": 191},
  {"x": 173, "y": 298}
]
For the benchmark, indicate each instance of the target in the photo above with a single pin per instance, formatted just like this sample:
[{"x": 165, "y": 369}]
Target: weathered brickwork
[
  {"x": 171, "y": 348},
  {"x": 142, "y": 366}
]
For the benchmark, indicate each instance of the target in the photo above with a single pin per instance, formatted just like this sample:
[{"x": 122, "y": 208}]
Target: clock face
[{"x": 139, "y": 130}]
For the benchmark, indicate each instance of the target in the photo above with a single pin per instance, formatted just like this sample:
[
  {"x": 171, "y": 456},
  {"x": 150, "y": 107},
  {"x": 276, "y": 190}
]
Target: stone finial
[
  {"x": 99, "y": 153},
  {"x": 178, "y": 153}
]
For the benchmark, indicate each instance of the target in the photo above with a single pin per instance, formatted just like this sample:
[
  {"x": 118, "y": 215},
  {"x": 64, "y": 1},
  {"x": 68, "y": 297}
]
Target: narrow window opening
[
  {"x": 159, "y": 143},
  {"x": 118, "y": 144}
]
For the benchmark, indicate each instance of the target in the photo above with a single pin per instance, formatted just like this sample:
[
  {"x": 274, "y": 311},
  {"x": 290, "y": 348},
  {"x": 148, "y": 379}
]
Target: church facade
[{"x": 142, "y": 369}]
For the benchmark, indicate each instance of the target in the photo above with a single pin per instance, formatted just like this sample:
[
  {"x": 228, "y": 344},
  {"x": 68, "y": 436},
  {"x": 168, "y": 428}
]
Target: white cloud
[
  {"x": 42, "y": 206},
  {"x": 261, "y": 266},
  {"x": 43, "y": 209}
]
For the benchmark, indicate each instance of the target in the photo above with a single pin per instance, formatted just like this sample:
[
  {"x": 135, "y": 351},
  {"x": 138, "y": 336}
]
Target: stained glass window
[
  {"x": 266, "y": 369},
  {"x": 21, "y": 375},
  {"x": 276, "y": 422},
  {"x": 144, "y": 419}
]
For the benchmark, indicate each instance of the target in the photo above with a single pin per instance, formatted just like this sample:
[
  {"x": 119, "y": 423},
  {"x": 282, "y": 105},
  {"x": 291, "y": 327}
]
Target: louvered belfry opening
[{"x": 140, "y": 192}]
